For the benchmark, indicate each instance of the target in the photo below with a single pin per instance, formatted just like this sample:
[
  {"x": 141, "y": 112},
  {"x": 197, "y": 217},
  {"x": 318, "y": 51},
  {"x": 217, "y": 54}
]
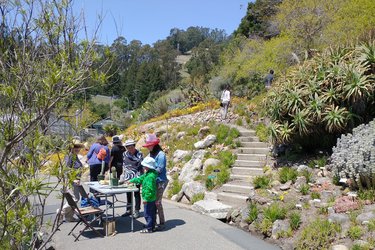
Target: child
[{"x": 148, "y": 182}]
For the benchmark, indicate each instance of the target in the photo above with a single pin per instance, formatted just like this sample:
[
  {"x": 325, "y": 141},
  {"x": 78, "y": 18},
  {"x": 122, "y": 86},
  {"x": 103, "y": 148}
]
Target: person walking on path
[
  {"x": 98, "y": 152},
  {"x": 132, "y": 159},
  {"x": 72, "y": 161},
  {"x": 268, "y": 79},
  {"x": 225, "y": 101},
  {"x": 116, "y": 155},
  {"x": 148, "y": 182},
  {"x": 156, "y": 152}
]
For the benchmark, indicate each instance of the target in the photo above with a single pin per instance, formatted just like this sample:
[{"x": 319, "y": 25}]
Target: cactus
[
  {"x": 114, "y": 173},
  {"x": 354, "y": 156}
]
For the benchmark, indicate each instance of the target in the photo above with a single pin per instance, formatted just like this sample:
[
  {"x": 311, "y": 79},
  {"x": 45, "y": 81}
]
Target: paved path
[{"x": 185, "y": 229}]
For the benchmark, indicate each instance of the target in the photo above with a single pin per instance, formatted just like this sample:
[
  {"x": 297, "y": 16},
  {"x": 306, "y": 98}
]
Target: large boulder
[
  {"x": 206, "y": 142},
  {"x": 212, "y": 208},
  {"x": 178, "y": 155},
  {"x": 192, "y": 188},
  {"x": 193, "y": 167}
]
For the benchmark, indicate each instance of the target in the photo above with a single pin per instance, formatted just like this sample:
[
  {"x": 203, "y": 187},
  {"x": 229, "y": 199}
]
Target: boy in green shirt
[{"x": 148, "y": 182}]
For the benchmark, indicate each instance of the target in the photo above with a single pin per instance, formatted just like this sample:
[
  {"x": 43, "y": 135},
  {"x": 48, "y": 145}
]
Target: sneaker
[
  {"x": 136, "y": 214},
  {"x": 127, "y": 213}
]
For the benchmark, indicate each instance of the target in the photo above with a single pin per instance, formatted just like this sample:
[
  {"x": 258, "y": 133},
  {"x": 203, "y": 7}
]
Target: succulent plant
[
  {"x": 354, "y": 156},
  {"x": 114, "y": 172}
]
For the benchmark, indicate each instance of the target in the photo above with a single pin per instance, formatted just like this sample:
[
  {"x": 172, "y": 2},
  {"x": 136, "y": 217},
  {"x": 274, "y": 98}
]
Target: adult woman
[
  {"x": 72, "y": 161},
  {"x": 116, "y": 155},
  {"x": 156, "y": 152},
  {"x": 225, "y": 100},
  {"x": 132, "y": 159},
  {"x": 98, "y": 152}
]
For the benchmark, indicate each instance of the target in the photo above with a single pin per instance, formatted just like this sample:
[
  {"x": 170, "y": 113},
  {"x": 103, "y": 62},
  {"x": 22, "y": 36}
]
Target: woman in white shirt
[{"x": 225, "y": 100}]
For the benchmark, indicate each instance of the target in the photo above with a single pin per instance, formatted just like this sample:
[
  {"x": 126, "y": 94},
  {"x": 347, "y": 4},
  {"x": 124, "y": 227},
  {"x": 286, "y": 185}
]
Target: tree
[{"x": 42, "y": 65}]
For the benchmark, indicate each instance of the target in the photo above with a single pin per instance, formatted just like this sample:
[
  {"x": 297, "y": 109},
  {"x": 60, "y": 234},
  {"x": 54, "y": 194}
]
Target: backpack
[{"x": 102, "y": 154}]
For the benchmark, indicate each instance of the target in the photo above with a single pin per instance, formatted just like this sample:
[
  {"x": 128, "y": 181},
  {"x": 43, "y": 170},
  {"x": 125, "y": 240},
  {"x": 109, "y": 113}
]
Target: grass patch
[
  {"x": 225, "y": 135},
  {"x": 262, "y": 181},
  {"x": 274, "y": 212},
  {"x": 175, "y": 186},
  {"x": 315, "y": 195},
  {"x": 319, "y": 234},
  {"x": 304, "y": 189},
  {"x": 287, "y": 174},
  {"x": 295, "y": 220},
  {"x": 253, "y": 213},
  {"x": 197, "y": 197},
  {"x": 355, "y": 232},
  {"x": 262, "y": 132}
]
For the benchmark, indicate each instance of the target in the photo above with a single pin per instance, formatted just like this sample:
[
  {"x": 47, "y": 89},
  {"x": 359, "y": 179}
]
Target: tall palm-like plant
[{"x": 335, "y": 118}]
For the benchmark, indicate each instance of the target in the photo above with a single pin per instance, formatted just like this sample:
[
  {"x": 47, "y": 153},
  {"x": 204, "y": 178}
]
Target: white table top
[{"x": 107, "y": 189}]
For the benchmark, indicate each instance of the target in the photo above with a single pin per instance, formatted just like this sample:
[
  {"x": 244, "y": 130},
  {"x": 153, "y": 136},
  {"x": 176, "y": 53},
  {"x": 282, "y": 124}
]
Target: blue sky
[{"x": 151, "y": 20}]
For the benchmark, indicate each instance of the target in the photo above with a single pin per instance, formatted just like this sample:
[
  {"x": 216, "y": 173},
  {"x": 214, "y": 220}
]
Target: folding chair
[{"x": 82, "y": 214}]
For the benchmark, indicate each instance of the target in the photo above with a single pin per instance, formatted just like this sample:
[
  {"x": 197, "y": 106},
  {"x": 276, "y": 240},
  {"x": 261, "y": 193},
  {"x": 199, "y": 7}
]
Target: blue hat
[{"x": 149, "y": 162}]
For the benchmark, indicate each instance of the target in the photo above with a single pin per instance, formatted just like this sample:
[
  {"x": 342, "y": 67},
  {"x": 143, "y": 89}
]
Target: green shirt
[{"x": 148, "y": 182}]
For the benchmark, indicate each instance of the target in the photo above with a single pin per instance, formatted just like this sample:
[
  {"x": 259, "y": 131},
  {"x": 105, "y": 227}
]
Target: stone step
[
  {"x": 247, "y": 171},
  {"x": 247, "y": 132},
  {"x": 252, "y": 150},
  {"x": 248, "y": 139},
  {"x": 244, "y": 163},
  {"x": 252, "y": 157},
  {"x": 232, "y": 199},
  {"x": 237, "y": 188},
  {"x": 254, "y": 144},
  {"x": 241, "y": 178}
]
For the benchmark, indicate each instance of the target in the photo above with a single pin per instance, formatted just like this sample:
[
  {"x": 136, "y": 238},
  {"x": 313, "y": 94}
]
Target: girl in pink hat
[{"x": 156, "y": 152}]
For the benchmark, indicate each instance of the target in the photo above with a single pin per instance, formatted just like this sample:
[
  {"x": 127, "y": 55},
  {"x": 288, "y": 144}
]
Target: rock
[
  {"x": 323, "y": 180},
  {"x": 160, "y": 130},
  {"x": 338, "y": 218},
  {"x": 178, "y": 155},
  {"x": 175, "y": 197},
  {"x": 301, "y": 168},
  {"x": 279, "y": 226},
  {"x": 210, "y": 162},
  {"x": 245, "y": 214},
  {"x": 340, "y": 247},
  {"x": 181, "y": 135},
  {"x": 365, "y": 217},
  {"x": 275, "y": 183},
  {"x": 344, "y": 204},
  {"x": 212, "y": 208},
  {"x": 286, "y": 186},
  {"x": 244, "y": 225},
  {"x": 301, "y": 180},
  {"x": 210, "y": 196},
  {"x": 206, "y": 142},
  {"x": 192, "y": 188},
  {"x": 203, "y": 131},
  {"x": 299, "y": 206},
  {"x": 190, "y": 170},
  {"x": 361, "y": 243}
]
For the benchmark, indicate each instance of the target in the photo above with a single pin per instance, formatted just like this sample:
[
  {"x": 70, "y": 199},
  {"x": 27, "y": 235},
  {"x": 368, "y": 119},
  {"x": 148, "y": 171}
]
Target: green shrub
[
  {"x": 225, "y": 134},
  {"x": 227, "y": 158},
  {"x": 367, "y": 194},
  {"x": 318, "y": 163},
  {"x": 239, "y": 122},
  {"x": 274, "y": 212},
  {"x": 253, "y": 213},
  {"x": 355, "y": 232},
  {"x": 371, "y": 225},
  {"x": 210, "y": 184},
  {"x": 318, "y": 234},
  {"x": 262, "y": 132},
  {"x": 315, "y": 195},
  {"x": 304, "y": 189},
  {"x": 197, "y": 197},
  {"x": 323, "y": 210},
  {"x": 295, "y": 220},
  {"x": 287, "y": 174},
  {"x": 262, "y": 181},
  {"x": 265, "y": 227}
]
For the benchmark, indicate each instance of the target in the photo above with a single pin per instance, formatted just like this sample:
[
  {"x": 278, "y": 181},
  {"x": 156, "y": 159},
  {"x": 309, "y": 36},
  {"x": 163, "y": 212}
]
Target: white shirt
[{"x": 225, "y": 96}]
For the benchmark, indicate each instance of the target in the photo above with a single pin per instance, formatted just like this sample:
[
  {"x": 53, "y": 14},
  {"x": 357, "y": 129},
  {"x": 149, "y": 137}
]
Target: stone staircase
[{"x": 251, "y": 158}]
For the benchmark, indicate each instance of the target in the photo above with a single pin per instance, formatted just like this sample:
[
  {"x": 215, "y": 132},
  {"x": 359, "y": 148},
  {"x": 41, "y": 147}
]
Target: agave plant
[
  {"x": 331, "y": 93},
  {"x": 335, "y": 118}
]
